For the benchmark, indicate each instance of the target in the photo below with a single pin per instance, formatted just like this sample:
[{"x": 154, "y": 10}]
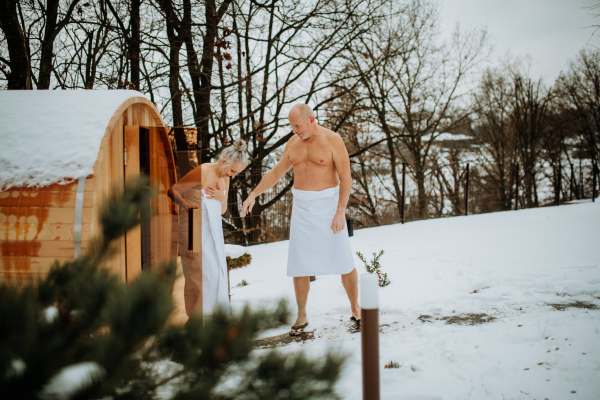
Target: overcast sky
[{"x": 550, "y": 31}]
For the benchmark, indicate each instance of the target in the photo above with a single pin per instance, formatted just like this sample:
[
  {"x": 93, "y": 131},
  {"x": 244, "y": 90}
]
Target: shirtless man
[{"x": 319, "y": 243}]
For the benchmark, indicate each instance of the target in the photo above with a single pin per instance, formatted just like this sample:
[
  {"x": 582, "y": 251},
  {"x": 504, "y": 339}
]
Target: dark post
[
  {"x": 581, "y": 179},
  {"x": 467, "y": 192},
  {"x": 402, "y": 217},
  {"x": 571, "y": 184},
  {"x": 369, "y": 284},
  {"x": 517, "y": 187},
  {"x": 594, "y": 174},
  {"x": 557, "y": 197}
]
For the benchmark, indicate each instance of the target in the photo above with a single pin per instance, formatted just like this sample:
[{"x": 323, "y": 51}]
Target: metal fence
[{"x": 274, "y": 222}]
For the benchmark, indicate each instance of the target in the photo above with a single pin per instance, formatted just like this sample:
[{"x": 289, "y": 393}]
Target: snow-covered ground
[{"x": 509, "y": 266}]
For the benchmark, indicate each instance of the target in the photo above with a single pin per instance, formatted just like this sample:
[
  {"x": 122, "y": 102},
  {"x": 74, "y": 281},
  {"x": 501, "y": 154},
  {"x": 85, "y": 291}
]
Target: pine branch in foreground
[{"x": 81, "y": 334}]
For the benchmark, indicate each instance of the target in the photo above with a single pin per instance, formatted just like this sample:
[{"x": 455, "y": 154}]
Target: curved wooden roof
[{"x": 54, "y": 136}]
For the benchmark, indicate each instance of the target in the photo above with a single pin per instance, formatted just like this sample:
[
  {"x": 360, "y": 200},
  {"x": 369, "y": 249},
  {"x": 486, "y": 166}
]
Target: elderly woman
[{"x": 206, "y": 285}]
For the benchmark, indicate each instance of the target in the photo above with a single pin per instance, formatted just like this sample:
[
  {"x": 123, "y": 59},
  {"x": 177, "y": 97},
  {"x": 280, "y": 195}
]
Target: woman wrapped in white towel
[{"x": 207, "y": 186}]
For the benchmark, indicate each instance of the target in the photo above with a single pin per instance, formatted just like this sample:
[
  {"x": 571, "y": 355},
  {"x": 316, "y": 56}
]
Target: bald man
[{"x": 319, "y": 243}]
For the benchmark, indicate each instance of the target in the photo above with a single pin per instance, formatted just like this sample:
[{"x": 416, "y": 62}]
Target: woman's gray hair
[{"x": 235, "y": 153}]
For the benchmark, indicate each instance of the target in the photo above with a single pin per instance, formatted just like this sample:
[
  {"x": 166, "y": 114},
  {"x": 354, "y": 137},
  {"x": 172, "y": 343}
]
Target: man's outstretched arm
[{"x": 268, "y": 181}]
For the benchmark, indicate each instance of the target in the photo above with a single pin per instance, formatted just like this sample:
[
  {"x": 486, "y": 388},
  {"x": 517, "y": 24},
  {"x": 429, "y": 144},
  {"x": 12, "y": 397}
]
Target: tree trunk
[
  {"x": 134, "y": 44},
  {"x": 18, "y": 46},
  {"x": 48, "y": 44},
  {"x": 422, "y": 194},
  {"x": 201, "y": 72},
  {"x": 180, "y": 139},
  {"x": 390, "y": 144},
  {"x": 51, "y": 30},
  {"x": 255, "y": 221}
]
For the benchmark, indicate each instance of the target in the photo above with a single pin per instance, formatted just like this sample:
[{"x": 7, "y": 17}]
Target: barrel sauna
[{"x": 61, "y": 153}]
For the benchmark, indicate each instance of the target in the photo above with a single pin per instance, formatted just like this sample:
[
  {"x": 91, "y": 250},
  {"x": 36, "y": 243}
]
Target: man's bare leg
[
  {"x": 301, "y": 287},
  {"x": 350, "y": 282}
]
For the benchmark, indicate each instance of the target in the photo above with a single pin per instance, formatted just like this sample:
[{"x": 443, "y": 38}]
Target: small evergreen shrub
[
  {"x": 243, "y": 283},
  {"x": 239, "y": 262},
  {"x": 80, "y": 333},
  {"x": 375, "y": 267}
]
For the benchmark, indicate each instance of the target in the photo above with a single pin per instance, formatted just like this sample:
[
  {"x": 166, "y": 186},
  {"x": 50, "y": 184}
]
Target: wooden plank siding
[
  {"x": 36, "y": 224},
  {"x": 133, "y": 238}
]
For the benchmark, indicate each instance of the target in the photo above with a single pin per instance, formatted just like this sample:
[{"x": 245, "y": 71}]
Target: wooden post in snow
[
  {"x": 571, "y": 184},
  {"x": 467, "y": 192},
  {"x": 517, "y": 187},
  {"x": 403, "y": 216},
  {"x": 369, "y": 285},
  {"x": 557, "y": 197},
  {"x": 594, "y": 175}
]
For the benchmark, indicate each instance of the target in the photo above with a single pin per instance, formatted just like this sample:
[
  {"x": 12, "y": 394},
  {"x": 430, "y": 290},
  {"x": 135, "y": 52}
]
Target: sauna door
[
  {"x": 146, "y": 230},
  {"x": 138, "y": 243},
  {"x": 148, "y": 246}
]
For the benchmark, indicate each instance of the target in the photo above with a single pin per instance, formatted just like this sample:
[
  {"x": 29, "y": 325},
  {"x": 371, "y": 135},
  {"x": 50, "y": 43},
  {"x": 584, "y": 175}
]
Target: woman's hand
[
  {"x": 188, "y": 206},
  {"x": 216, "y": 194}
]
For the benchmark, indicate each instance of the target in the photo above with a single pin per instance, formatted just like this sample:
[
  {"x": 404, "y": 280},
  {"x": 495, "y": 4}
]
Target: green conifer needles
[
  {"x": 81, "y": 319},
  {"x": 374, "y": 267},
  {"x": 239, "y": 262}
]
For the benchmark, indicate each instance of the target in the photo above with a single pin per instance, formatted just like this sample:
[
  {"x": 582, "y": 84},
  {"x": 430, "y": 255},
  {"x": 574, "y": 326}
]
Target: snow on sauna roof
[{"x": 53, "y": 136}]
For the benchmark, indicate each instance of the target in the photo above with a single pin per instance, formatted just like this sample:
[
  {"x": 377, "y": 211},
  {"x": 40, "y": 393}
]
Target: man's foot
[
  {"x": 298, "y": 329},
  {"x": 355, "y": 314}
]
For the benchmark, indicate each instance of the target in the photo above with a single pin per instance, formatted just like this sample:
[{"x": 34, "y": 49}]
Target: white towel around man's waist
[{"x": 314, "y": 249}]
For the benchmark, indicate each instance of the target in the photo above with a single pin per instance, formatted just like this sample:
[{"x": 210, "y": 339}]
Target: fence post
[
  {"x": 517, "y": 187},
  {"x": 402, "y": 217},
  {"x": 557, "y": 197},
  {"x": 467, "y": 192},
  {"x": 581, "y": 180},
  {"x": 594, "y": 175},
  {"x": 571, "y": 184},
  {"x": 369, "y": 285}
]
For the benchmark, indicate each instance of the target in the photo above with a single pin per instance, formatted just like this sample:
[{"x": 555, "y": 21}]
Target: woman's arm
[{"x": 189, "y": 181}]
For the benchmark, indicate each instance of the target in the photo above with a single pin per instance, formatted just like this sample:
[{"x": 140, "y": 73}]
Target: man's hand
[
  {"x": 338, "y": 223},
  {"x": 247, "y": 205}
]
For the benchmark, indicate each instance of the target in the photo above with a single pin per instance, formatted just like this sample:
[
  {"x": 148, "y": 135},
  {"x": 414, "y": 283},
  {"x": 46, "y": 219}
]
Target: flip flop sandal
[
  {"x": 296, "y": 327},
  {"x": 356, "y": 327}
]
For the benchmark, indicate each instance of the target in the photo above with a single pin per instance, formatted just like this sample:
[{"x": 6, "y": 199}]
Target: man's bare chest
[{"x": 313, "y": 153}]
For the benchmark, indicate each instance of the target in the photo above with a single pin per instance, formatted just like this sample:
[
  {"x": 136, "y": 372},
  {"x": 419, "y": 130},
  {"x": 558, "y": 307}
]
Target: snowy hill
[{"x": 448, "y": 277}]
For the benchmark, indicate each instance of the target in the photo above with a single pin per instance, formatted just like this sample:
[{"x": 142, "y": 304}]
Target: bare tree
[
  {"x": 16, "y": 37},
  {"x": 416, "y": 92},
  {"x": 530, "y": 103},
  {"x": 578, "y": 92},
  {"x": 495, "y": 138},
  {"x": 31, "y": 29}
]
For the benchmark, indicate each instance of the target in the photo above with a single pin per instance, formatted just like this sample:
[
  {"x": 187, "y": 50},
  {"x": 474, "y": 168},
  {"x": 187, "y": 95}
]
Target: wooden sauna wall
[
  {"x": 37, "y": 228},
  {"x": 37, "y": 224}
]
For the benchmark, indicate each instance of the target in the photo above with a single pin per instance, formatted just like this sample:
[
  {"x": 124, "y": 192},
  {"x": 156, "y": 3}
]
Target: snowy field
[{"x": 509, "y": 266}]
